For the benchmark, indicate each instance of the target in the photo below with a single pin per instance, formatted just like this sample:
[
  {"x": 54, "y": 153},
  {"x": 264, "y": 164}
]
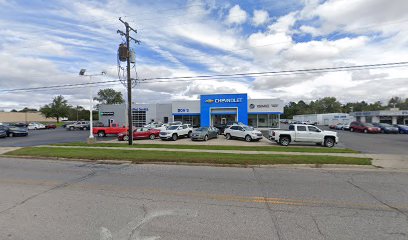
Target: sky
[{"x": 46, "y": 43}]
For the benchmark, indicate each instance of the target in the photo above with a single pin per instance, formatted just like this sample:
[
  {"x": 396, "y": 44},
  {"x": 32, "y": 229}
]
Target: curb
[{"x": 291, "y": 166}]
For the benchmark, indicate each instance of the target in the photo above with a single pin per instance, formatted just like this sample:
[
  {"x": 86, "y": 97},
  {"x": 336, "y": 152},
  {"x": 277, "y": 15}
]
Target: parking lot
[
  {"x": 366, "y": 143},
  {"x": 46, "y": 136},
  {"x": 374, "y": 143}
]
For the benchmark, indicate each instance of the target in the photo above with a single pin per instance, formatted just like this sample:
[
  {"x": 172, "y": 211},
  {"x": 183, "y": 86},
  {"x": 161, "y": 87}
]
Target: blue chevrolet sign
[{"x": 223, "y": 101}]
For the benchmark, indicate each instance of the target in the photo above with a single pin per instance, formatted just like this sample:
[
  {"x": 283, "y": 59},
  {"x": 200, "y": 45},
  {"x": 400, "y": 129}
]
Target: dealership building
[
  {"x": 325, "y": 118},
  {"x": 392, "y": 116},
  {"x": 210, "y": 110}
]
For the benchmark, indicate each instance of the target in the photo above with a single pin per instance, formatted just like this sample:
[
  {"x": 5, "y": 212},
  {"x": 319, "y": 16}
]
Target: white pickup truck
[{"x": 304, "y": 133}]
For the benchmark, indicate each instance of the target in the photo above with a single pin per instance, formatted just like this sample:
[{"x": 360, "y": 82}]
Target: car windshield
[
  {"x": 202, "y": 129},
  {"x": 385, "y": 125},
  {"x": 172, "y": 127},
  {"x": 248, "y": 128}
]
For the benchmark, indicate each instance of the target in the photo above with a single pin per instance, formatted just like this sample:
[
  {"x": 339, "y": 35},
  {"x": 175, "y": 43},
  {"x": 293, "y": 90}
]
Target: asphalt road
[
  {"x": 46, "y": 136},
  {"x": 41, "y": 199}
]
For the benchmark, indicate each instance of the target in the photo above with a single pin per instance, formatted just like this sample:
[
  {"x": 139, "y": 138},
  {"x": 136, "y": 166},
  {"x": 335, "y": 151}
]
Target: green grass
[
  {"x": 145, "y": 156},
  {"x": 219, "y": 147}
]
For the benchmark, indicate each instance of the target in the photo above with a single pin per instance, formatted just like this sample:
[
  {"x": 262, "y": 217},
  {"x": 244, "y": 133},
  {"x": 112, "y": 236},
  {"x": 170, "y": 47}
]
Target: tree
[
  {"x": 26, "y": 109},
  {"x": 109, "y": 96},
  {"x": 13, "y": 110},
  {"x": 57, "y": 109}
]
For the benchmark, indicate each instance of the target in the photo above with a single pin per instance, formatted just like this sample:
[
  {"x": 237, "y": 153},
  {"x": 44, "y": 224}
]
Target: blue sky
[{"x": 46, "y": 43}]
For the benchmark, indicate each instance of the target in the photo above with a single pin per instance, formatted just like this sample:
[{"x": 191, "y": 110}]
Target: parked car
[
  {"x": 333, "y": 126},
  {"x": 66, "y": 123},
  {"x": 175, "y": 131},
  {"x": 243, "y": 132},
  {"x": 35, "y": 126},
  {"x": 81, "y": 125},
  {"x": 50, "y": 126},
  {"x": 3, "y": 133},
  {"x": 401, "y": 128},
  {"x": 114, "y": 129},
  {"x": 304, "y": 133},
  {"x": 24, "y": 125},
  {"x": 386, "y": 128},
  {"x": 13, "y": 131},
  {"x": 158, "y": 126},
  {"x": 363, "y": 127},
  {"x": 346, "y": 127},
  {"x": 140, "y": 133},
  {"x": 204, "y": 133},
  {"x": 221, "y": 127},
  {"x": 342, "y": 126}
]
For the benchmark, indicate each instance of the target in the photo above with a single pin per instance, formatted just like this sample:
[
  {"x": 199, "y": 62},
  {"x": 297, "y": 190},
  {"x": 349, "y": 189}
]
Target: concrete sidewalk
[{"x": 4, "y": 150}]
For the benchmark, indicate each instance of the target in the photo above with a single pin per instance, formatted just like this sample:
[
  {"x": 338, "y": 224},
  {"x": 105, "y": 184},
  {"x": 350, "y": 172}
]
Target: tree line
[
  {"x": 332, "y": 105},
  {"x": 60, "y": 108}
]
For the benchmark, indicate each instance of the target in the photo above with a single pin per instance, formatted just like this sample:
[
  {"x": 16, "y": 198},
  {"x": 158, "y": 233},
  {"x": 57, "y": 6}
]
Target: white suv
[
  {"x": 245, "y": 132},
  {"x": 176, "y": 131}
]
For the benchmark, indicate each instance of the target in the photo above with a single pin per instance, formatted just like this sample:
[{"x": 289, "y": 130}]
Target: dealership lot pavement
[
  {"x": 366, "y": 143},
  {"x": 375, "y": 143},
  {"x": 42, "y": 200},
  {"x": 44, "y": 137}
]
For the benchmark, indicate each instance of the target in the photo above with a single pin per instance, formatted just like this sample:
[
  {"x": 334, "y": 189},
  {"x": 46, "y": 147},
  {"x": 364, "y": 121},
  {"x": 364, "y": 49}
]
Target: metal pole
[
  {"x": 129, "y": 88},
  {"x": 91, "y": 136}
]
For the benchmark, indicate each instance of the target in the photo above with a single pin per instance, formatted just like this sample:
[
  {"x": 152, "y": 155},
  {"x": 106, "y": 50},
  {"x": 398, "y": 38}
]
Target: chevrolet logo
[{"x": 209, "y": 101}]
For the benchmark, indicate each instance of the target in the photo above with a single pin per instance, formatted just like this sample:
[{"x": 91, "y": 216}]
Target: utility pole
[{"x": 129, "y": 80}]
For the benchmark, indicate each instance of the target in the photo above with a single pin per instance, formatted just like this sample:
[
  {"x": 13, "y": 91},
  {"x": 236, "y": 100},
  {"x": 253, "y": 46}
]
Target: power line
[
  {"x": 217, "y": 76},
  {"x": 356, "y": 67}
]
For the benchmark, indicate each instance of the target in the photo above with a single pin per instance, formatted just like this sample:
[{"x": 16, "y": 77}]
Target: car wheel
[
  {"x": 248, "y": 138},
  {"x": 11, "y": 134},
  {"x": 174, "y": 137},
  {"x": 71, "y": 128},
  {"x": 351, "y": 129},
  {"x": 228, "y": 136},
  {"x": 284, "y": 141},
  {"x": 189, "y": 134},
  {"x": 152, "y": 137},
  {"x": 206, "y": 138},
  {"x": 126, "y": 138},
  {"x": 101, "y": 134},
  {"x": 329, "y": 142},
  {"x": 365, "y": 131}
]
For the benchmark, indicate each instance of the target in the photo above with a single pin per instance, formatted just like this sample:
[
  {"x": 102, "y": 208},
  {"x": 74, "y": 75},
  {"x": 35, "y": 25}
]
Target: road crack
[
  {"x": 59, "y": 186},
  {"x": 268, "y": 207},
  {"x": 351, "y": 182},
  {"x": 317, "y": 226}
]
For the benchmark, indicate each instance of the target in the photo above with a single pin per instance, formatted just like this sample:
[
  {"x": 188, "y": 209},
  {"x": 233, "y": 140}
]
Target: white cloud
[
  {"x": 236, "y": 15},
  {"x": 260, "y": 17},
  {"x": 208, "y": 38}
]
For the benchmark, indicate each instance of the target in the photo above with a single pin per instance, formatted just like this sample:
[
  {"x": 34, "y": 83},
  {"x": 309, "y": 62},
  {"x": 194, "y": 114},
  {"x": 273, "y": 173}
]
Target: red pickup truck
[{"x": 114, "y": 129}]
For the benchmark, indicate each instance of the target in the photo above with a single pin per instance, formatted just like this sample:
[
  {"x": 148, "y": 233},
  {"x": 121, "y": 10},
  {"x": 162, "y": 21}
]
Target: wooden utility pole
[{"x": 129, "y": 79}]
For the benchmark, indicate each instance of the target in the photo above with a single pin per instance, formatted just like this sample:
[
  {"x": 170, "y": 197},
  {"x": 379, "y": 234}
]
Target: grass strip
[
  {"x": 219, "y": 147},
  {"x": 145, "y": 156}
]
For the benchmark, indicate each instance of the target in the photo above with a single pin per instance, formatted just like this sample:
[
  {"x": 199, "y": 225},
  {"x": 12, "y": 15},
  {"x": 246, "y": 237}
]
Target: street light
[{"x": 82, "y": 73}]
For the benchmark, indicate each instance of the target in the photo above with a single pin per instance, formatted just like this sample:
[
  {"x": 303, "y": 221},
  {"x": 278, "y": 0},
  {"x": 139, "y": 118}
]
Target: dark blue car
[
  {"x": 401, "y": 128},
  {"x": 386, "y": 128}
]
